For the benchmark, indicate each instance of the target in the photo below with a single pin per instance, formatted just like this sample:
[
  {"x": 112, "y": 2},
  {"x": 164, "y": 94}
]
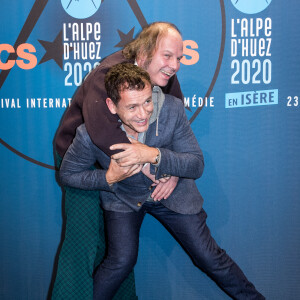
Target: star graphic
[
  {"x": 125, "y": 38},
  {"x": 54, "y": 50}
]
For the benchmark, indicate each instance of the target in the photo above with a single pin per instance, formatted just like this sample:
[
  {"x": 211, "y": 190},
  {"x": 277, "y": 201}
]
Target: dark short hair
[
  {"x": 147, "y": 41},
  {"x": 125, "y": 76}
]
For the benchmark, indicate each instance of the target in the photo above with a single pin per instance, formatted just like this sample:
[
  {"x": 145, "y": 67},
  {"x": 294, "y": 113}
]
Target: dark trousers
[
  {"x": 83, "y": 248},
  {"x": 190, "y": 231}
]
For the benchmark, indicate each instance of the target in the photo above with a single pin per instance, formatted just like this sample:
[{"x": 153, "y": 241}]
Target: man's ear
[
  {"x": 141, "y": 59},
  {"x": 111, "y": 106}
]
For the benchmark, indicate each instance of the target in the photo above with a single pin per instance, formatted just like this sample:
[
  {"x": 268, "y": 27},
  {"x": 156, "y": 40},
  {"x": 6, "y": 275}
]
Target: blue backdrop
[{"x": 240, "y": 77}]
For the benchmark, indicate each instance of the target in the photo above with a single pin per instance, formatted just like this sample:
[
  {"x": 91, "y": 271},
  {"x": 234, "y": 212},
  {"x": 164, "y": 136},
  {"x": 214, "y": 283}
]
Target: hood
[{"x": 158, "y": 98}]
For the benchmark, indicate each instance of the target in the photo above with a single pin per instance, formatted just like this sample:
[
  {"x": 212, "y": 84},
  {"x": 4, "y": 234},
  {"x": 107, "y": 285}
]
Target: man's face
[
  {"x": 134, "y": 109},
  {"x": 166, "y": 60}
]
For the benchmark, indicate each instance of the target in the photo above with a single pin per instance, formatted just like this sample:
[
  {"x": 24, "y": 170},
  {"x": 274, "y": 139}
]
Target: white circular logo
[
  {"x": 251, "y": 6},
  {"x": 81, "y": 9}
]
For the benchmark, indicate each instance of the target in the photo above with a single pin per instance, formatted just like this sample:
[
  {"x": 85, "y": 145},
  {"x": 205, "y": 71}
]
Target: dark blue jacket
[{"x": 181, "y": 156}]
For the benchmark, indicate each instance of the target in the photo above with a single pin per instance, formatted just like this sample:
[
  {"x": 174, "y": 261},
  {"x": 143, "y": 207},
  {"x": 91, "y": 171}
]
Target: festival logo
[
  {"x": 81, "y": 9},
  {"x": 251, "y": 6},
  {"x": 251, "y": 57}
]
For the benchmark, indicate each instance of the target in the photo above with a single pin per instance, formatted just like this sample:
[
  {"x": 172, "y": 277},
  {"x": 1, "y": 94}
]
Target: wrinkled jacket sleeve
[
  {"x": 102, "y": 126},
  {"x": 184, "y": 158},
  {"x": 76, "y": 168}
]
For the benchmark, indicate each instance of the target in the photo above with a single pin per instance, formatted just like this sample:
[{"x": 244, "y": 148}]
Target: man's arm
[
  {"x": 103, "y": 127},
  {"x": 185, "y": 158},
  {"x": 75, "y": 170}
]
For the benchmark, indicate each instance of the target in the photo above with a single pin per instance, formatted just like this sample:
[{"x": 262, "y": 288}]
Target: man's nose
[
  {"x": 142, "y": 113},
  {"x": 174, "y": 64}
]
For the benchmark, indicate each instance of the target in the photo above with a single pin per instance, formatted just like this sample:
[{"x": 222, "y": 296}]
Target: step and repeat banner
[{"x": 240, "y": 76}]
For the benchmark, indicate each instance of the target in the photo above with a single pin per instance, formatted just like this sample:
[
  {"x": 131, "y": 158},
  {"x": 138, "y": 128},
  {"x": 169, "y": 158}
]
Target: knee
[
  {"x": 215, "y": 260},
  {"x": 123, "y": 262},
  {"x": 127, "y": 260}
]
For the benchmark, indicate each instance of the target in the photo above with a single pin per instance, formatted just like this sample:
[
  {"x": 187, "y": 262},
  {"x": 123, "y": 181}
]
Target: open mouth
[
  {"x": 142, "y": 122},
  {"x": 167, "y": 73}
]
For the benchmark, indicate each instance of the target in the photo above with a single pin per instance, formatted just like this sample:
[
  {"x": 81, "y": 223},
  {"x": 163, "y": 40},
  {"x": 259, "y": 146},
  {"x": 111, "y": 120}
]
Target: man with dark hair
[
  {"x": 169, "y": 147},
  {"x": 124, "y": 77},
  {"x": 158, "y": 49}
]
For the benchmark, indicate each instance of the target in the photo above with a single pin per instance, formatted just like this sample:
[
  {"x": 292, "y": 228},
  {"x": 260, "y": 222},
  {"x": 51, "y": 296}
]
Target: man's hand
[
  {"x": 116, "y": 173},
  {"x": 134, "y": 153},
  {"x": 164, "y": 186},
  {"x": 146, "y": 172},
  {"x": 164, "y": 189}
]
